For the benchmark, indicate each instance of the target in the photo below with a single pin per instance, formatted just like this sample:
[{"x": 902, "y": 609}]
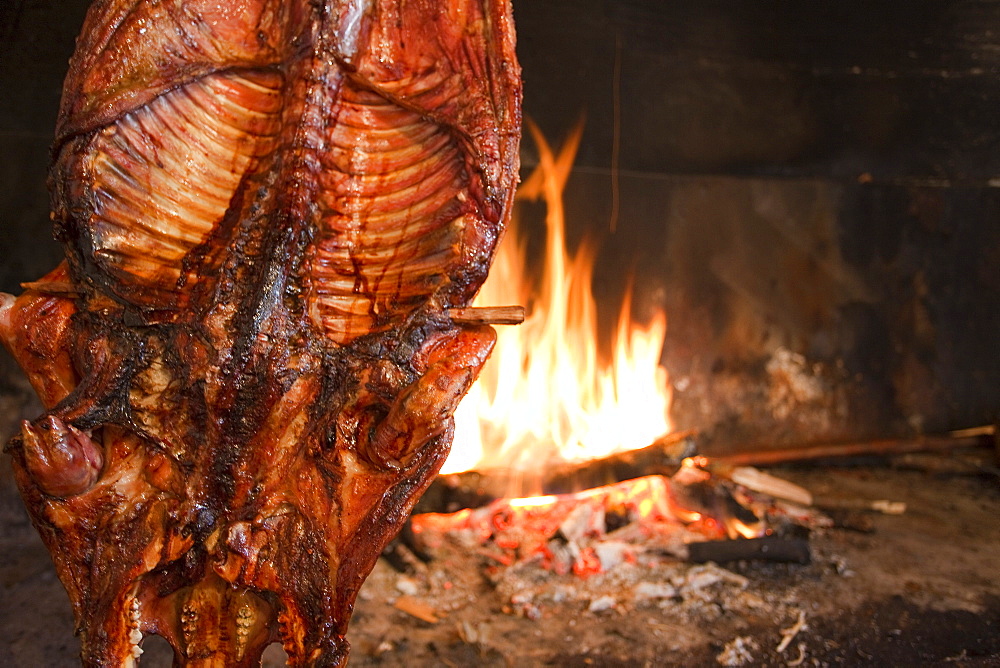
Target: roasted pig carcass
[{"x": 248, "y": 360}]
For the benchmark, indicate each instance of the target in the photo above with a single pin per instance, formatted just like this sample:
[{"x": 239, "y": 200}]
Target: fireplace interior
[{"x": 811, "y": 193}]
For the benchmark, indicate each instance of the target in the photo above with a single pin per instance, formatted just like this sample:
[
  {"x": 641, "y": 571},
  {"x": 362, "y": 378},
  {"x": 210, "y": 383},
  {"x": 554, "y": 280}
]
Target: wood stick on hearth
[{"x": 978, "y": 437}]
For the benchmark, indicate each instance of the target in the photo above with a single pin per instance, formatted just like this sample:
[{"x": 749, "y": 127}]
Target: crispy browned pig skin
[{"x": 246, "y": 361}]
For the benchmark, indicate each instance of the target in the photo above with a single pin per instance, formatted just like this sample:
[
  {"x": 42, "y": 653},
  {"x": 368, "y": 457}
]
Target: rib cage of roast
[{"x": 247, "y": 359}]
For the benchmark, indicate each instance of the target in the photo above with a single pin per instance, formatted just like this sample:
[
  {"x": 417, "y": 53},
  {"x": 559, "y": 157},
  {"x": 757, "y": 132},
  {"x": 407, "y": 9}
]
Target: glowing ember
[
  {"x": 591, "y": 531},
  {"x": 546, "y": 395},
  {"x": 536, "y": 519},
  {"x": 533, "y": 501}
]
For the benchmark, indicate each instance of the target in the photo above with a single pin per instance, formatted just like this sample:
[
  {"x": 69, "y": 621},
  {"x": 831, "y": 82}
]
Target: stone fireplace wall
[{"x": 811, "y": 190}]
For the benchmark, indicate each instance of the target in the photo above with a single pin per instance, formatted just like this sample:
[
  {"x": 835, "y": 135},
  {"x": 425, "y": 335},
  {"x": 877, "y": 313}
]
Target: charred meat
[{"x": 247, "y": 362}]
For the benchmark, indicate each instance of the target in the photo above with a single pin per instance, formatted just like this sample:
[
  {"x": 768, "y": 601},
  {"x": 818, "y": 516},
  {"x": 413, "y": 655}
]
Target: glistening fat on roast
[{"x": 247, "y": 359}]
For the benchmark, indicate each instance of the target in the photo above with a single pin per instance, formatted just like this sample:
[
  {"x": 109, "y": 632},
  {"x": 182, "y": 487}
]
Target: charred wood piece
[{"x": 767, "y": 548}]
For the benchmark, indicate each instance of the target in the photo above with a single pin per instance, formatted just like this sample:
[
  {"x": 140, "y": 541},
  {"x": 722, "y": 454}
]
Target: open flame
[{"x": 546, "y": 395}]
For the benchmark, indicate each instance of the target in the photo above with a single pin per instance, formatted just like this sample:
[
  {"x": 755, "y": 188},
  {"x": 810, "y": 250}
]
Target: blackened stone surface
[
  {"x": 895, "y": 90},
  {"x": 886, "y": 296}
]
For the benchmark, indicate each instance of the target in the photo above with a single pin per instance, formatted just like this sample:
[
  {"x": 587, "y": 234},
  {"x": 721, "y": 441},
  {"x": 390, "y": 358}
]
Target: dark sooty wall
[{"x": 812, "y": 190}]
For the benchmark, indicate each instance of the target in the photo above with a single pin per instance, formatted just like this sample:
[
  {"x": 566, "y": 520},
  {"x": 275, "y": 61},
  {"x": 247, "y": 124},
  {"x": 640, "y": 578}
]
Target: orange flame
[{"x": 545, "y": 395}]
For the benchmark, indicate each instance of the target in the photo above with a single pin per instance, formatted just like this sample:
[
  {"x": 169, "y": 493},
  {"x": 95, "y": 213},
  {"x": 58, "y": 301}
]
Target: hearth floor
[{"x": 922, "y": 588}]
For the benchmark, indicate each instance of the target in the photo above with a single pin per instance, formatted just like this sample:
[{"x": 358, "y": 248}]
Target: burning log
[
  {"x": 663, "y": 457},
  {"x": 474, "y": 489}
]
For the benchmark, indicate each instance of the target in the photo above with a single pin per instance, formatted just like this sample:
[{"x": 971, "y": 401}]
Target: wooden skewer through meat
[{"x": 487, "y": 315}]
